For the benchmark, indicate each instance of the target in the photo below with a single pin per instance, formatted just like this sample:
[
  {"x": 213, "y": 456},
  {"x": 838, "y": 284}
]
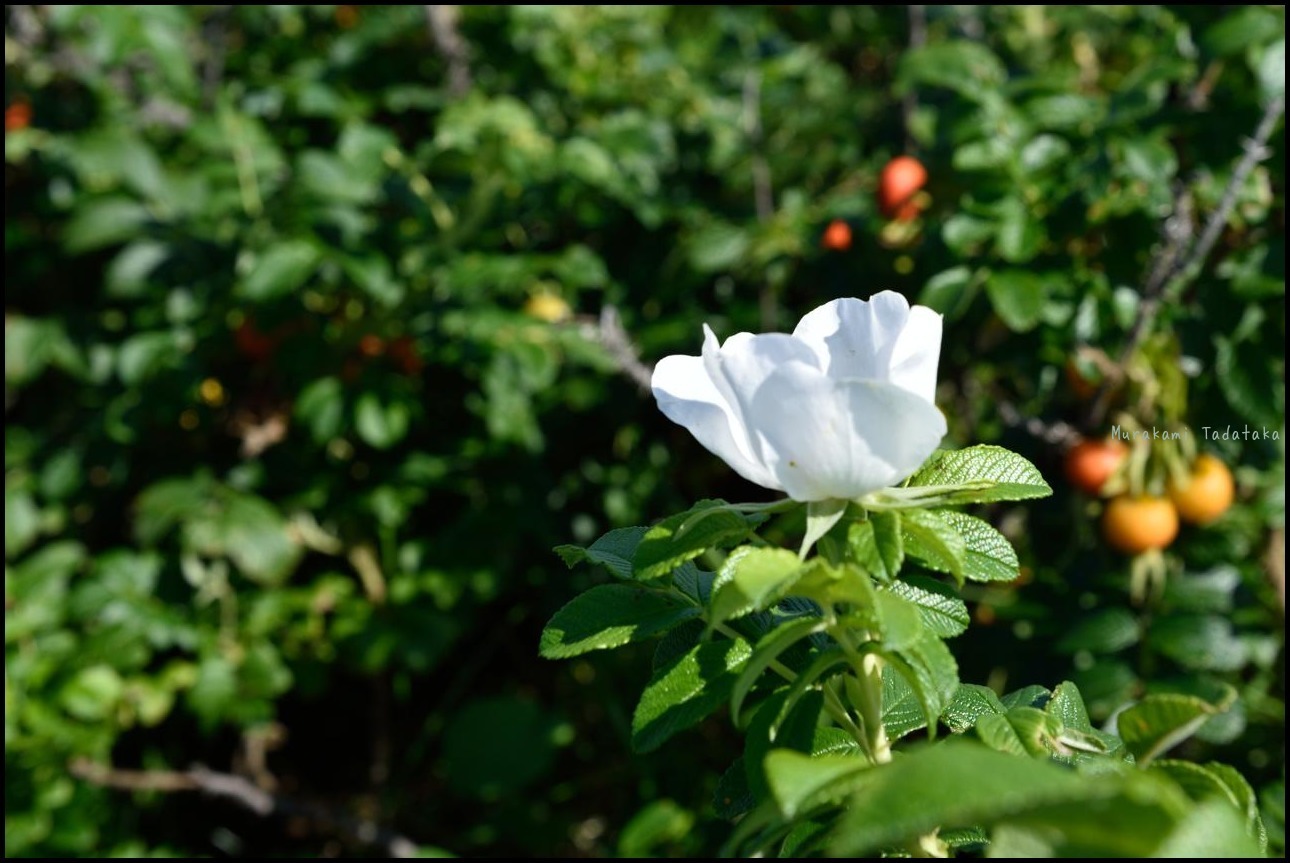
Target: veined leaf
[
  {"x": 611, "y": 615},
  {"x": 1003, "y": 475},
  {"x": 686, "y": 691},
  {"x": 614, "y": 551},
  {"x": 685, "y": 536}
]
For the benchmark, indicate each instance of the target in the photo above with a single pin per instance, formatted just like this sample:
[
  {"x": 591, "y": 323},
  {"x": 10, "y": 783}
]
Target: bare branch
[
  {"x": 611, "y": 334},
  {"x": 244, "y": 793},
  {"x": 442, "y": 22},
  {"x": 1060, "y": 433},
  {"x": 1176, "y": 265}
]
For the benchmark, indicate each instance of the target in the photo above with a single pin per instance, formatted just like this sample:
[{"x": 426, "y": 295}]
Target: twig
[
  {"x": 625, "y": 355},
  {"x": 1058, "y": 432},
  {"x": 1176, "y": 264},
  {"x": 244, "y": 793},
  {"x": 763, "y": 185},
  {"x": 442, "y": 21}
]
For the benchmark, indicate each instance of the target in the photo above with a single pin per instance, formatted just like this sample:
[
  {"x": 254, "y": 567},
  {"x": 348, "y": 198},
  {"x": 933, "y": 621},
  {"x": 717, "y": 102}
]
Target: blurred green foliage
[{"x": 295, "y": 410}]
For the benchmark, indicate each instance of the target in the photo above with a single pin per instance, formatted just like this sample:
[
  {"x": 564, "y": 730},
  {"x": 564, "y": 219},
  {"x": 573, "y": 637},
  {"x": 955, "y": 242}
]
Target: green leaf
[
  {"x": 611, "y": 615},
  {"x": 953, "y": 784},
  {"x": 1107, "y": 631},
  {"x": 1213, "y": 829},
  {"x": 950, "y": 292},
  {"x": 776, "y": 724},
  {"x": 968, "y": 68},
  {"x": 614, "y": 551},
  {"x": 1159, "y": 722},
  {"x": 988, "y": 554},
  {"x": 1003, "y": 474},
  {"x": 933, "y": 541},
  {"x": 93, "y": 693},
  {"x": 1204, "y": 641},
  {"x": 969, "y": 704},
  {"x": 21, "y": 521},
  {"x": 878, "y": 545},
  {"x": 1204, "y": 781},
  {"x": 1027, "y": 696},
  {"x": 321, "y": 407},
  {"x": 104, "y": 222},
  {"x": 820, "y": 517},
  {"x": 766, "y": 652},
  {"x": 1067, "y": 705},
  {"x": 1018, "y": 297},
  {"x": 752, "y": 579},
  {"x": 997, "y": 732},
  {"x": 943, "y": 614},
  {"x": 381, "y": 426},
  {"x": 1241, "y": 28},
  {"x": 902, "y": 712},
  {"x": 899, "y": 621},
  {"x": 800, "y": 782},
  {"x": 671, "y": 542},
  {"x": 658, "y": 824},
  {"x": 686, "y": 691},
  {"x": 279, "y": 271},
  {"x": 931, "y": 672},
  {"x": 732, "y": 797}
]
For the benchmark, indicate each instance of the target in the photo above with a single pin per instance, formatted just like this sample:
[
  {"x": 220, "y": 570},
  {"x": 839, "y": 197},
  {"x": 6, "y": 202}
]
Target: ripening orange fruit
[
  {"x": 371, "y": 345},
  {"x": 1207, "y": 495},
  {"x": 837, "y": 236},
  {"x": 900, "y": 180},
  {"x": 1137, "y": 524},
  {"x": 17, "y": 116},
  {"x": 1090, "y": 463}
]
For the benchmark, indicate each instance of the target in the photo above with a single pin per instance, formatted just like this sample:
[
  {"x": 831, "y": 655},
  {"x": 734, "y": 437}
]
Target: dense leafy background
[{"x": 288, "y": 438}]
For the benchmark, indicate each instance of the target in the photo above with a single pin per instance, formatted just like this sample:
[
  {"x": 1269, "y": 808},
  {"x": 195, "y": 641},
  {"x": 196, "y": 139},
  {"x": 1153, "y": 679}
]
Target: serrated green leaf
[
  {"x": 878, "y": 545},
  {"x": 685, "y": 536},
  {"x": 988, "y": 554},
  {"x": 611, "y": 615},
  {"x": 1010, "y": 477},
  {"x": 1159, "y": 722},
  {"x": 902, "y": 713},
  {"x": 1203, "y": 781},
  {"x": 899, "y": 621},
  {"x": 969, "y": 704},
  {"x": 954, "y": 783},
  {"x": 931, "y": 672},
  {"x": 766, "y": 652},
  {"x": 1033, "y": 695},
  {"x": 799, "y": 781},
  {"x": 752, "y": 579},
  {"x": 1067, "y": 705},
  {"x": 934, "y": 542},
  {"x": 687, "y": 690},
  {"x": 778, "y": 725},
  {"x": 995, "y": 731},
  {"x": 613, "y": 551},
  {"x": 943, "y": 614}
]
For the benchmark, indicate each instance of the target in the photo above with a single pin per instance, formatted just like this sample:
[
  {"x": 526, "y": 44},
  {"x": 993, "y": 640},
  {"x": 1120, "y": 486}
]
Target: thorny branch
[
  {"x": 244, "y": 793},
  {"x": 1176, "y": 264},
  {"x": 611, "y": 334}
]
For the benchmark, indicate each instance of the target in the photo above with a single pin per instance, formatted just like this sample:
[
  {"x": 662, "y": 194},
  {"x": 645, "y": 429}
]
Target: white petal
[
  {"x": 688, "y": 397},
  {"x": 740, "y": 366},
  {"x": 882, "y": 339},
  {"x": 827, "y": 438},
  {"x": 917, "y": 353}
]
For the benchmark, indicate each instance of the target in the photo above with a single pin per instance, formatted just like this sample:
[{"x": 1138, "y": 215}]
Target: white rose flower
[{"x": 842, "y": 407}]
